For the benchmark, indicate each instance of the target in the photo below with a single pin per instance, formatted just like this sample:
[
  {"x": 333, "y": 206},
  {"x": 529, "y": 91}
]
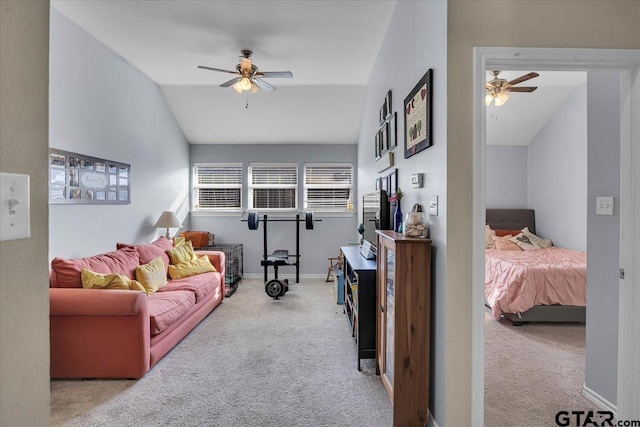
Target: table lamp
[{"x": 169, "y": 220}]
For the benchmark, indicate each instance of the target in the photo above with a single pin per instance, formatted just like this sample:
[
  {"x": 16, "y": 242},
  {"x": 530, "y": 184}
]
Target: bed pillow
[
  {"x": 488, "y": 241},
  {"x": 502, "y": 233},
  {"x": 538, "y": 241},
  {"x": 504, "y": 244},
  {"x": 522, "y": 240}
]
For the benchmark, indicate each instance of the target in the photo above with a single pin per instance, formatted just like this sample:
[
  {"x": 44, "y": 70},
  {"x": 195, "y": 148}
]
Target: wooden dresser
[{"x": 403, "y": 319}]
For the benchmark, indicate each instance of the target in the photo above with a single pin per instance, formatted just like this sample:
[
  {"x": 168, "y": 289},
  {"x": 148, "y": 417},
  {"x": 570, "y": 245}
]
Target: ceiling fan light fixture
[
  {"x": 488, "y": 99},
  {"x": 501, "y": 98},
  {"x": 245, "y": 83},
  {"x": 254, "y": 88},
  {"x": 237, "y": 87}
]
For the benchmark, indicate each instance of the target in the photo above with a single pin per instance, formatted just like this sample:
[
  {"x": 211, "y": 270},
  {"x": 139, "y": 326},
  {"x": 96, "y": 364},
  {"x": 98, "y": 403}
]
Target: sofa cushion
[
  {"x": 201, "y": 285},
  {"x": 93, "y": 280},
  {"x": 167, "y": 307},
  {"x": 148, "y": 252},
  {"x": 66, "y": 273}
]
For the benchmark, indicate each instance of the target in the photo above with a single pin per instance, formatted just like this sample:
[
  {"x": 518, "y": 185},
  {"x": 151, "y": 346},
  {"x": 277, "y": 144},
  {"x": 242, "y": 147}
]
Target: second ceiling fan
[
  {"x": 497, "y": 89},
  {"x": 248, "y": 77}
]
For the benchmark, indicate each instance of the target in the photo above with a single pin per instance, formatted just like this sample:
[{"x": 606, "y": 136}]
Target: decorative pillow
[
  {"x": 151, "y": 250},
  {"x": 93, "y": 280},
  {"x": 182, "y": 253},
  {"x": 525, "y": 244},
  {"x": 65, "y": 273},
  {"x": 502, "y": 233},
  {"x": 191, "y": 268},
  {"x": 538, "y": 241},
  {"x": 178, "y": 240},
  {"x": 488, "y": 241},
  {"x": 152, "y": 275},
  {"x": 503, "y": 243}
]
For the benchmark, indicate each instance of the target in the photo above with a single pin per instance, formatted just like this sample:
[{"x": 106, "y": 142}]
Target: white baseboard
[{"x": 599, "y": 400}]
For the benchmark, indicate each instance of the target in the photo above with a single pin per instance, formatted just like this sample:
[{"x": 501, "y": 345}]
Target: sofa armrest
[
  {"x": 96, "y": 333},
  {"x": 217, "y": 258}
]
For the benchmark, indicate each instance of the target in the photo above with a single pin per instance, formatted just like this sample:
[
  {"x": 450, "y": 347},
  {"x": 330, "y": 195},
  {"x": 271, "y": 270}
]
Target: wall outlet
[{"x": 604, "y": 205}]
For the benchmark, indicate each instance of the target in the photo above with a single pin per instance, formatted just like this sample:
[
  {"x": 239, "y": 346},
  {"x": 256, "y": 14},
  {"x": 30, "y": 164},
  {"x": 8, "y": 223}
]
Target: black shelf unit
[{"x": 360, "y": 300}]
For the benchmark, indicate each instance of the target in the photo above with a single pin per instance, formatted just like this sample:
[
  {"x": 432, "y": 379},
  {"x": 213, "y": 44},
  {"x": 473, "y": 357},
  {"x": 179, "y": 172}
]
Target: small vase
[{"x": 398, "y": 218}]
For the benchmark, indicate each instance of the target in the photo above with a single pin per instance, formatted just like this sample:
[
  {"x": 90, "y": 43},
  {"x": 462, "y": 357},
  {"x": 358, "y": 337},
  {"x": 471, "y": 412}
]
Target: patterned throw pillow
[
  {"x": 536, "y": 240},
  {"x": 152, "y": 275},
  {"x": 504, "y": 244},
  {"x": 522, "y": 240}
]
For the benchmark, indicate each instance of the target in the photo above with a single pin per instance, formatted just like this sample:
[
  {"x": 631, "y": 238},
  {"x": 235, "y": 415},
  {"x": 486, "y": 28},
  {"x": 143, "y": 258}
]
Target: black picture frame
[
  {"x": 384, "y": 138},
  {"x": 393, "y": 131},
  {"x": 378, "y": 146},
  {"x": 392, "y": 184},
  {"x": 378, "y": 184},
  {"x": 417, "y": 116}
]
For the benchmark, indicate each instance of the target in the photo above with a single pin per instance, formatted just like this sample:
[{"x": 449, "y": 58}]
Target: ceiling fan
[
  {"x": 248, "y": 77},
  {"x": 498, "y": 89}
]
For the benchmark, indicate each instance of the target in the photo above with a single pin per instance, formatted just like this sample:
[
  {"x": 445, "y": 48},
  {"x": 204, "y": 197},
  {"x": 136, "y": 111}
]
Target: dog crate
[{"x": 233, "y": 265}]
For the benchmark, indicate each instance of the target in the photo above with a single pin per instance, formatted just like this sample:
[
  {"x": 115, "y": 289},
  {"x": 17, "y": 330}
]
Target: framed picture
[
  {"x": 80, "y": 179},
  {"x": 384, "y": 137},
  {"x": 377, "y": 145},
  {"x": 417, "y": 117},
  {"x": 392, "y": 132},
  {"x": 387, "y": 105},
  {"x": 384, "y": 184},
  {"x": 378, "y": 183},
  {"x": 393, "y": 182}
]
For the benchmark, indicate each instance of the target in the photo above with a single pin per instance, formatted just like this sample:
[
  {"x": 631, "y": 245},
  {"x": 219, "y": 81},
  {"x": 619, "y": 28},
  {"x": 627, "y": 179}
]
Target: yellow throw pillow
[
  {"x": 182, "y": 253},
  {"x": 152, "y": 275},
  {"x": 93, "y": 280},
  {"x": 191, "y": 268}
]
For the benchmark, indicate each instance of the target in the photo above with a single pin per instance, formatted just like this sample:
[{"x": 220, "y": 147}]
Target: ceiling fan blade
[
  {"x": 522, "y": 89},
  {"x": 231, "y": 82},
  {"x": 523, "y": 78},
  {"x": 217, "y": 69},
  {"x": 263, "y": 85},
  {"x": 275, "y": 74}
]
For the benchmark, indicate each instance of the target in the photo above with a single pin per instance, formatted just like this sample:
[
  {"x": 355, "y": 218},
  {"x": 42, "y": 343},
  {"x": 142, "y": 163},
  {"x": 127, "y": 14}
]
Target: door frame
[{"x": 627, "y": 61}]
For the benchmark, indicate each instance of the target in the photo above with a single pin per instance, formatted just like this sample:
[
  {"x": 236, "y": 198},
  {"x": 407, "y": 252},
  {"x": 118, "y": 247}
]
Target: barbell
[{"x": 253, "y": 220}]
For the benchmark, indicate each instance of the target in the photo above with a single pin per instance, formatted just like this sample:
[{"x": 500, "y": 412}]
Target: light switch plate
[
  {"x": 433, "y": 206},
  {"x": 15, "y": 214},
  {"x": 604, "y": 205}
]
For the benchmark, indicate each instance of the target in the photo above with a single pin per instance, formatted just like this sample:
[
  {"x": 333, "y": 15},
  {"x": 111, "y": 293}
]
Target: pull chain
[{"x": 247, "y": 106}]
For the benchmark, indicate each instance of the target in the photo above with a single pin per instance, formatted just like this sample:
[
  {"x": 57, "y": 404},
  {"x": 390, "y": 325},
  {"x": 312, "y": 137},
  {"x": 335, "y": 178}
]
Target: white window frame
[
  {"x": 252, "y": 186},
  {"x": 307, "y": 186},
  {"x": 196, "y": 188}
]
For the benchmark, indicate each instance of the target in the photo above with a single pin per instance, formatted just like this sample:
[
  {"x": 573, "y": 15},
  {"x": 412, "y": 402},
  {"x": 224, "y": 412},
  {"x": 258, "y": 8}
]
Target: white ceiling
[{"x": 330, "y": 46}]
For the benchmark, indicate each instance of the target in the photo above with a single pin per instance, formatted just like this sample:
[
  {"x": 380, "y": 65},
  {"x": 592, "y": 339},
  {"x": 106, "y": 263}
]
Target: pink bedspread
[{"x": 515, "y": 281}]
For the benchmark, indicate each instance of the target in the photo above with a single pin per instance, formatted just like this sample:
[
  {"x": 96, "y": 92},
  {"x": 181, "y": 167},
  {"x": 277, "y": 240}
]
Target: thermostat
[{"x": 416, "y": 180}]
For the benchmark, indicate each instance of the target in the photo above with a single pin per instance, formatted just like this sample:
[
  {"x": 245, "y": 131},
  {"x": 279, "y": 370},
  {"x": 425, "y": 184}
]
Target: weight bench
[{"x": 276, "y": 259}]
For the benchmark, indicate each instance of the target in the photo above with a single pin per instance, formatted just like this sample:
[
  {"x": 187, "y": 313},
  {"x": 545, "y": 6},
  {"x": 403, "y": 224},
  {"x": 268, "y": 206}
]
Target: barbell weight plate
[
  {"x": 253, "y": 220},
  {"x": 309, "y": 220}
]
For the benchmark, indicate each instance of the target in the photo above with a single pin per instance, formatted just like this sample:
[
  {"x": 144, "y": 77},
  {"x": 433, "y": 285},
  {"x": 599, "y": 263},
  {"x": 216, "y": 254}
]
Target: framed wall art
[
  {"x": 392, "y": 129},
  {"x": 78, "y": 179},
  {"x": 417, "y": 116}
]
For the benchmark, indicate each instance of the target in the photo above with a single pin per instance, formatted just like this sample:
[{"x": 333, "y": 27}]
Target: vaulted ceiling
[{"x": 330, "y": 46}]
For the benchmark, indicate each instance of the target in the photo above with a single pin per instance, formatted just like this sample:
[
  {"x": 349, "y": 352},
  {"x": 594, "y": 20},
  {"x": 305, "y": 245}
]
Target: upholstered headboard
[{"x": 511, "y": 219}]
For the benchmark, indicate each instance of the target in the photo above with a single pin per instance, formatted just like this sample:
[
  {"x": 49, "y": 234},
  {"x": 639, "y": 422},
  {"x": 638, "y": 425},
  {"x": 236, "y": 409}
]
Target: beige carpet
[{"x": 532, "y": 372}]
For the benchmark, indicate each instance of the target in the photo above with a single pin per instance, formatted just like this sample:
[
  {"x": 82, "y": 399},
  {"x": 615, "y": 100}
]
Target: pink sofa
[{"x": 98, "y": 333}]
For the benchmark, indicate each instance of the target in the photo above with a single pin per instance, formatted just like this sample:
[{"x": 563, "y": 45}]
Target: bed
[{"x": 545, "y": 285}]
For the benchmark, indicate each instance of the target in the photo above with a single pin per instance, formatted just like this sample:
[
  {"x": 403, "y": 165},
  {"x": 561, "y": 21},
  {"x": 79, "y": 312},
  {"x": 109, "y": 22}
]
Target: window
[
  {"x": 217, "y": 187},
  {"x": 328, "y": 187},
  {"x": 273, "y": 186}
]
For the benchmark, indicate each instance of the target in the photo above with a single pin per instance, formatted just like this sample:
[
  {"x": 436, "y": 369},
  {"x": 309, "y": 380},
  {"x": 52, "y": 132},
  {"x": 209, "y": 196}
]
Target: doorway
[{"x": 628, "y": 63}]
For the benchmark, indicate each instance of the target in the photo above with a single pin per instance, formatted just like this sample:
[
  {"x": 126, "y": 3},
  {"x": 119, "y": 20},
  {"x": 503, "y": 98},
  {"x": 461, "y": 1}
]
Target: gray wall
[
  {"x": 315, "y": 245},
  {"x": 557, "y": 174},
  {"x": 506, "y": 176},
  {"x": 603, "y": 238},
  {"x": 24, "y": 298},
  {"x": 416, "y": 40},
  {"x": 101, "y": 106}
]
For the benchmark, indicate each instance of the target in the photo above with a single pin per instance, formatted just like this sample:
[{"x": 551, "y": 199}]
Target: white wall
[
  {"x": 557, "y": 174},
  {"x": 24, "y": 296},
  {"x": 506, "y": 176},
  {"x": 603, "y": 239},
  {"x": 103, "y": 107},
  {"x": 415, "y": 42},
  {"x": 315, "y": 245}
]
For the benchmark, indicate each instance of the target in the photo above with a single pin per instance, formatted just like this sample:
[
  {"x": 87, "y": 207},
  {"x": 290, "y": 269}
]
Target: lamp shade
[{"x": 167, "y": 220}]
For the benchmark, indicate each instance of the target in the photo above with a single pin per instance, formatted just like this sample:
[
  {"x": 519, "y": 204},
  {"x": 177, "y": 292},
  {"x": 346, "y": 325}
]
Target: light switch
[
  {"x": 433, "y": 206},
  {"x": 604, "y": 205},
  {"x": 14, "y": 206}
]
